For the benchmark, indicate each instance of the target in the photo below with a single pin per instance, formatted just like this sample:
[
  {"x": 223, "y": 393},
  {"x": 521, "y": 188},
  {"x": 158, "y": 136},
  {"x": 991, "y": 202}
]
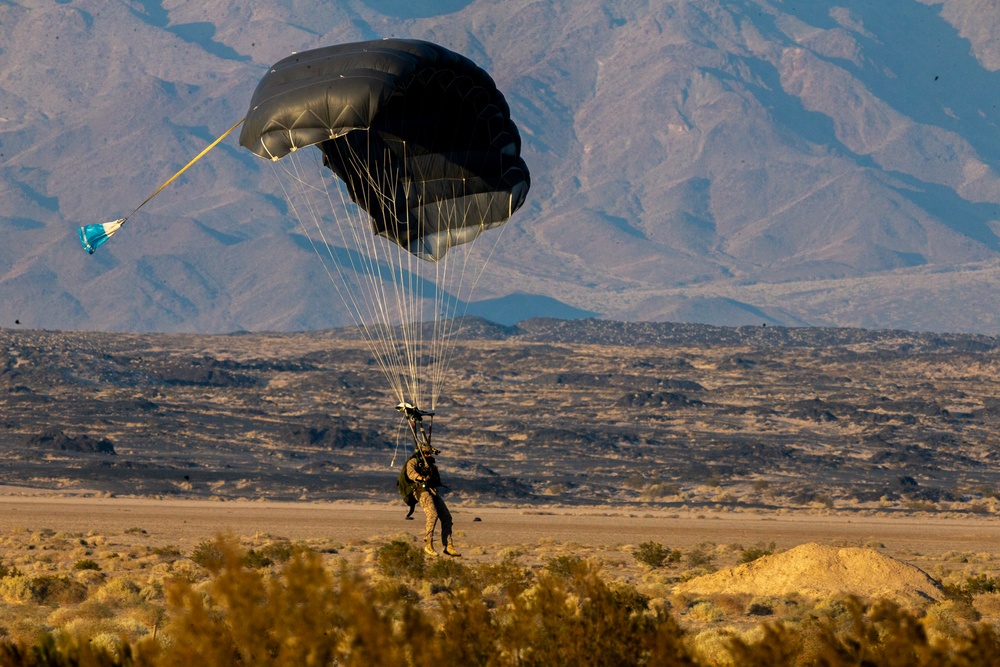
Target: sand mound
[{"x": 817, "y": 571}]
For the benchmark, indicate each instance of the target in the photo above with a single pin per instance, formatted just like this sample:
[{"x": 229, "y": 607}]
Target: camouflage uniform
[{"x": 432, "y": 504}]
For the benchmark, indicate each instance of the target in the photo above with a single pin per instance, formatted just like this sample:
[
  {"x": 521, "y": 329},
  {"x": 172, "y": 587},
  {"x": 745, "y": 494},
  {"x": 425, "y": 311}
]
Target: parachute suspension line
[
  {"x": 413, "y": 354},
  {"x": 303, "y": 189},
  {"x": 387, "y": 254},
  {"x": 356, "y": 229},
  {"x": 462, "y": 297},
  {"x": 378, "y": 254}
]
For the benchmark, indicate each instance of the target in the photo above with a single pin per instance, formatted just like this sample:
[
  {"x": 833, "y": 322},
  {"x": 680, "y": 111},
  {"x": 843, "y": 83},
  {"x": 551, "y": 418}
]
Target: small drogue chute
[{"x": 94, "y": 236}]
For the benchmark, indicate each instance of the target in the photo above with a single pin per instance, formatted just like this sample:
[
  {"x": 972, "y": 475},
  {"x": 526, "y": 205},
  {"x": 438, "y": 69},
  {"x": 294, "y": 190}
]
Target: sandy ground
[{"x": 184, "y": 523}]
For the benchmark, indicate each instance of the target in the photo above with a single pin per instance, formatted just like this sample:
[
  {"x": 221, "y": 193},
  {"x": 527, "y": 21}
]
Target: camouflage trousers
[{"x": 435, "y": 509}]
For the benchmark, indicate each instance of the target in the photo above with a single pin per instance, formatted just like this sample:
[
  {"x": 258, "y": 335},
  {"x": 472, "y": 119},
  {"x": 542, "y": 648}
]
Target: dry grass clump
[{"x": 278, "y": 604}]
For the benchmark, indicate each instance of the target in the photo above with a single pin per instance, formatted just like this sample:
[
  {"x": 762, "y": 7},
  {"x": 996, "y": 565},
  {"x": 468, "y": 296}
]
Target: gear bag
[{"x": 406, "y": 488}]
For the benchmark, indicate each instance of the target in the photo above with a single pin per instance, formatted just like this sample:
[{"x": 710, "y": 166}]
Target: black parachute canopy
[{"x": 419, "y": 134}]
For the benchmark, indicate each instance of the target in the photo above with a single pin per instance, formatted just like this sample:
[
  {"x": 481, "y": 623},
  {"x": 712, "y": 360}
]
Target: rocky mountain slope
[{"x": 720, "y": 161}]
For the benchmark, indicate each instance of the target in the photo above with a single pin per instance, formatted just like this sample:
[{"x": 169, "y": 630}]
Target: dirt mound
[{"x": 817, "y": 571}]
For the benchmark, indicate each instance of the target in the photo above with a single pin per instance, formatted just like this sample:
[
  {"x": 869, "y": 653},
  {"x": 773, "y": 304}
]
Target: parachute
[{"x": 412, "y": 155}]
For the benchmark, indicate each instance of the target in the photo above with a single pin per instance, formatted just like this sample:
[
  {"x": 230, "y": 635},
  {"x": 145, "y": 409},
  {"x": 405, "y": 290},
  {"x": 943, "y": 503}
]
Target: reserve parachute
[{"x": 395, "y": 156}]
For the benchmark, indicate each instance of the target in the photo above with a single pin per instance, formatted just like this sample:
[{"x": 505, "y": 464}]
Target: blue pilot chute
[{"x": 92, "y": 236}]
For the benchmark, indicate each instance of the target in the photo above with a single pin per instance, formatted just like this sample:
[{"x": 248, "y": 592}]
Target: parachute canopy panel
[{"x": 420, "y": 136}]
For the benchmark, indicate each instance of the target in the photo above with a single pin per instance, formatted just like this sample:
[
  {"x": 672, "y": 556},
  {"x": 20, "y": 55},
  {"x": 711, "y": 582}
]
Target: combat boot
[
  {"x": 451, "y": 550},
  {"x": 429, "y": 549}
]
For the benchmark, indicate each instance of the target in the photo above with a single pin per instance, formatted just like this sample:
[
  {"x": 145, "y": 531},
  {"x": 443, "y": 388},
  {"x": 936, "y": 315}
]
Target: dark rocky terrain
[{"x": 546, "y": 412}]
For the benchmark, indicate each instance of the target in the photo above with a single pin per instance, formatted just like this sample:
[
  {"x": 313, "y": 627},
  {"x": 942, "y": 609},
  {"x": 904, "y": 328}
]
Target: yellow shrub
[{"x": 16, "y": 589}]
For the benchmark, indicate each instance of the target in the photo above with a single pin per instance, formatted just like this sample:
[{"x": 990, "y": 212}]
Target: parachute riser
[{"x": 421, "y": 436}]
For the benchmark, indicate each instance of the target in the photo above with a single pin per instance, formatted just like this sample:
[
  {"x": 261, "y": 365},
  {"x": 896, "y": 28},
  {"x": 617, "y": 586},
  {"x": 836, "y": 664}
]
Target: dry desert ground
[{"x": 599, "y": 533}]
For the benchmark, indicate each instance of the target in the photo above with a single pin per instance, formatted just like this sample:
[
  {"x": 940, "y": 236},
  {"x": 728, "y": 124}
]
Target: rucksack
[{"x": 406, "y": 487}]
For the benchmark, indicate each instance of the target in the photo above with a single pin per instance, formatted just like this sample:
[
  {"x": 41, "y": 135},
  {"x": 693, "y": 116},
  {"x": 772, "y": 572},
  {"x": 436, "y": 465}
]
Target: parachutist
[{"x": 419, "y": 482}]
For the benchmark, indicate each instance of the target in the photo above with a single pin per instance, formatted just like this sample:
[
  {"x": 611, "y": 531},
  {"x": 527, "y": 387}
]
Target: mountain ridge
[{"x": 730, "y": 163}]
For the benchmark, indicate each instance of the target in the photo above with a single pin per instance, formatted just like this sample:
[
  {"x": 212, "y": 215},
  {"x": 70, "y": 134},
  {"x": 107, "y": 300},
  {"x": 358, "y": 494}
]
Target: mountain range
[{"x": 802, "y": 163}]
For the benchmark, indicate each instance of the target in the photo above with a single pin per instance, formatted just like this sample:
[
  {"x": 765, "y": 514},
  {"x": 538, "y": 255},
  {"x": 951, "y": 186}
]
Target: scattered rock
[{"x": 55, "y": 439}]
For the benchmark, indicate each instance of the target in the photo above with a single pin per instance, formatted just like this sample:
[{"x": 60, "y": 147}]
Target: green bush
[
  {"x": 256, "y": 559},
  {"x": 399, "y": 558},
  {"x": 564, "y": 566},
  {"x": 701, "y": 557},
  {"x": 880, "y": 633},
  {"x": 169, "y": 551},
  {"x": 450, "y": 571},
  {"x": 655, "y": 554},
  {"x": 751, "y": 554},
  {"x": 57, "y": 591},
  {"x": 282, "y": 551},
  {"x": 86, "y": 564},
  {"x": 209, "y": 554}
]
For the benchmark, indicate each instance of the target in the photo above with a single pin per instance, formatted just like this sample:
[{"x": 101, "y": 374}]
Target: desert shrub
[
  {"x": 169, "y": 551},
  {"x": 64, "y": 650},
  {"x": 579, "y": 619},
  {"x": 118, "y": 591},
  {"x": 449, "y": 570},
  {"x": 628, "y": 598},
  {"x": 86, "y": 564},
  {"x": 282, "y": 551},
  {"x": 655, "y": 554},
  {"x": 254, "y": 559},
  {"x": 988, "y": 605},
  {"x": 507, "y": 576},
  {"x": 759, "y": 608},
  {"x": 972, "y": 585},
  {"x": 307, "y": 616},
  {"x": 305, "y": 613},
  {"x": 209, "y": 554},
  {"x": 731, "y": 604},
  {"x": 705, "y": 611},
  {"x": 565, "y": 566},
  {"x": 399, "y": 558},
  {"x": 774, "y": 645},
  {"x": 882, "y": 633},
  {"x": 947, "y": 618},
  {"x": 701, "y": 557},
  {"x": 982, "y": 583},
  {"x": 54, "y": 591},
  {"x": 303, "y": 616},
  {"x": 389, "y": 592},
  {"x": 660, "y": 490},
  {"x": 16, "y": 589},
  {"x": 751, "y": 554}
]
